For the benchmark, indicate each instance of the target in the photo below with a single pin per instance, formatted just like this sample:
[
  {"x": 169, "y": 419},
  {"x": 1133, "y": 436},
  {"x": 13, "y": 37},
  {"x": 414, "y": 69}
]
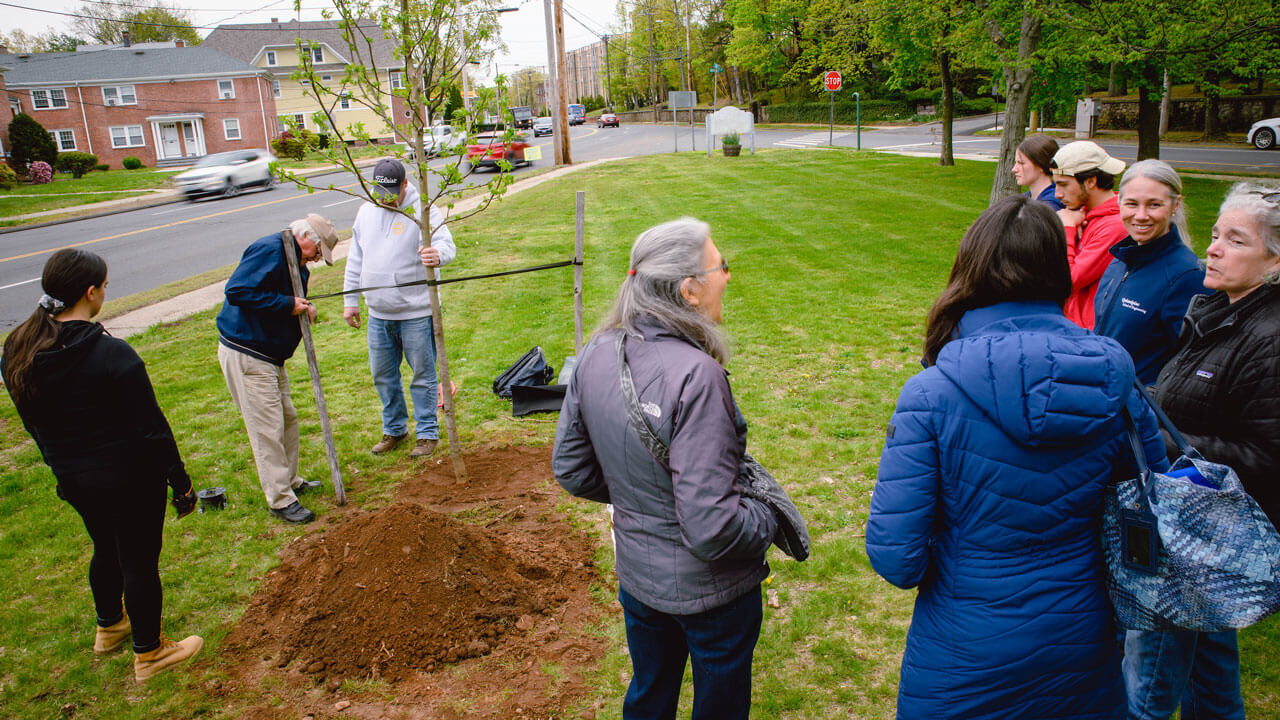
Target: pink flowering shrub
[{"x": 40, "y": 172}]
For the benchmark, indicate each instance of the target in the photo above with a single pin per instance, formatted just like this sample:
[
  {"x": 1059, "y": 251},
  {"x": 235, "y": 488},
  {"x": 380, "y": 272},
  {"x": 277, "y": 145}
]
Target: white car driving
[
  {"x": 226, "y": 173},
  {"x": 1263, "y": 134}
]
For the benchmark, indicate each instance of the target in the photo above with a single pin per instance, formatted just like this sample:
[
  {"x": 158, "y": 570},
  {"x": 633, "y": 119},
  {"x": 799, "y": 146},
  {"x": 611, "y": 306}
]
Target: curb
[
  {"x": 168, "y": 200},
  {"x": 210, "y": 296}
]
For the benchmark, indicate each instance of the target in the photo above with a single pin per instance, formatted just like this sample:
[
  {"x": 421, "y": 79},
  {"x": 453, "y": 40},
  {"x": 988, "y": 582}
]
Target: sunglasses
[{"x": 722, "y": 267}]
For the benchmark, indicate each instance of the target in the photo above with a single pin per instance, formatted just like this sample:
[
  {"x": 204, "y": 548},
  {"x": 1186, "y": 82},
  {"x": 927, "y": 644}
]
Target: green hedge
[
  {"x": 845, "y": 112},
  {"x": 76, "y": 163}
]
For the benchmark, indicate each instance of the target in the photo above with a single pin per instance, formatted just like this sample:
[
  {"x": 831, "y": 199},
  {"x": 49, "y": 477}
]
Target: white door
[
  {"x": 189, "y": 132},
  {"x": 171, "y": 140}
]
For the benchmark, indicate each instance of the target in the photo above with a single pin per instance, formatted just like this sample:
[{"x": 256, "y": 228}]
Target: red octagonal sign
[{"x": 832, "y": 80}]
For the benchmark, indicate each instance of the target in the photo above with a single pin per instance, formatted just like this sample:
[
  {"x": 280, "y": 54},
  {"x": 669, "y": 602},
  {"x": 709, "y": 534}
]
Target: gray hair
[
  {"x": 301, "y": 228},
  {"x": 1163, "y": 173},
  {"x": 1250, "y": 198},
  {"x": 662, "y": 257}
]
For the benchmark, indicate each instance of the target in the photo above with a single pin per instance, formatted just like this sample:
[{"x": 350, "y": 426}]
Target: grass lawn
[
  {"x": 96, "y": 186},
  {"x": 836, "y": 257}
]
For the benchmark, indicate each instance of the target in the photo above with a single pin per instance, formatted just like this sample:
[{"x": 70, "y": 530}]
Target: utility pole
[
  {"x": 553, "y": 93},
  {"x": 684, "y": 77},
  {"x": 561, "y": 126},
  {"x": 608, "y": 74},
  {"x": 653, "y": 81}
]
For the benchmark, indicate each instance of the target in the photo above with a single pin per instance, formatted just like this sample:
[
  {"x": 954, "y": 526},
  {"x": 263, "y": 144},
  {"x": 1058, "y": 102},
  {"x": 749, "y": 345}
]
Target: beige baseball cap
[
  {"x": 1082, "y": 156},
  {"x": 328, "y": 236}
]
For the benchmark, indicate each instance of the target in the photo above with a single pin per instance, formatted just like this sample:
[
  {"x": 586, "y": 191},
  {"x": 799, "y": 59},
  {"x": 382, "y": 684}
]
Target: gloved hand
[{"x": 184, "y": 504}]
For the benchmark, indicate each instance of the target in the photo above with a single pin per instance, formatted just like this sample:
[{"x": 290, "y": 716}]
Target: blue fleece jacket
[
  {"x": 989, "y": 499},
  {"x": 1143, "y": 296},
  {"x": 257, "y": 318}
]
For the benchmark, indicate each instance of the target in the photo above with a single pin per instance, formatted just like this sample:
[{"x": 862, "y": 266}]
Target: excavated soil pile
[
  {"x": 396, "y": 590},
  {"x": 473, "y": 600}
]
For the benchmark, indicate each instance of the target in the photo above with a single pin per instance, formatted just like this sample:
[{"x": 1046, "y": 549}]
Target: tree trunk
[
  {"x": 948, "y": 109},
  {"x": 1148, "y": 114},
  {"x": 1017, "y": 79},
  {"x": 1164, "y": 103},
  {"x": 1212, "y": 127},
  {"x": 1111, "y": 81}
]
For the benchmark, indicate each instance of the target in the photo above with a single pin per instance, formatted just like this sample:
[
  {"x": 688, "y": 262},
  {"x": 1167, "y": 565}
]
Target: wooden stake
[
  {"x": 577, "y": 277},
  {"x": 335, "y": 472}
]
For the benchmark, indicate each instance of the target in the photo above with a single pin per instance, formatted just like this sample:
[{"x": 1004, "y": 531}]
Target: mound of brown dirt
[
  {"x": 393, "y": 591},
  {"x": 485, "y": 580}
]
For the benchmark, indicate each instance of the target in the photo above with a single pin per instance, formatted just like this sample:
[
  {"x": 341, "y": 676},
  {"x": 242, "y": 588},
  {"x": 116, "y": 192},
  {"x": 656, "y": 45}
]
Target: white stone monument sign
[{"x": 727, "y": 120}]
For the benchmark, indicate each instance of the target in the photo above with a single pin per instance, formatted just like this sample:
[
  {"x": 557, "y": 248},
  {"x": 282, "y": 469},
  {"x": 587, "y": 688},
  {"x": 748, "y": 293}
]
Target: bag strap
[
  {"x": 1166, "y": 423},
  {"x": 635, "y": 414},
  {"x": 1145, "y": 486}
]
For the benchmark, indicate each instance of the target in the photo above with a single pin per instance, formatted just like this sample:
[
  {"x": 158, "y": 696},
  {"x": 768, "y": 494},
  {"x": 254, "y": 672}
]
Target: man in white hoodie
[{"x": 387, "y": 249}]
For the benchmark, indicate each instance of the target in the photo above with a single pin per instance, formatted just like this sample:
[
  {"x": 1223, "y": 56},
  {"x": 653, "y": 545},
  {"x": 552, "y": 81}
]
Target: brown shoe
[
  {"x": 424, "y": 447},
  {"x": 388, "y": 442},
  {"x": 109, "y": 639},
  {"x": 169, "y": 653}
]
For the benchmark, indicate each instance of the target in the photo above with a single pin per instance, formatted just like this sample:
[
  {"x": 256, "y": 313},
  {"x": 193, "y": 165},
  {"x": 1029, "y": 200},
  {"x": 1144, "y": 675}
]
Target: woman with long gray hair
[
  {"x": 1146, "y": 289},
  {"x": 690, "y": 549},
  {"x": 1222, "y": 391}
]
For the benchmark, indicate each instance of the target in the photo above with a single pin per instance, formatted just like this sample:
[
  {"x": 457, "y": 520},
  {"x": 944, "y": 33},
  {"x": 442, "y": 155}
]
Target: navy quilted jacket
[{"x": 989, "y": 500}]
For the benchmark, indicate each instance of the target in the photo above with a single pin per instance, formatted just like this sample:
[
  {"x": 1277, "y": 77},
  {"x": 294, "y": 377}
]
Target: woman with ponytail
[
  {"x": 87, "y": 401},
  {"x": 1147, "y": 288},
  {"x": 690, "y": 548}
]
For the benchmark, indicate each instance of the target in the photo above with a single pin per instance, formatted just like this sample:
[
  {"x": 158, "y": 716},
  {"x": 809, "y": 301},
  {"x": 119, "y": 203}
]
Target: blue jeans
[
  {"x": 1200, "y": 671},
  {"x": 720, "y": 642},
  {"x": 412, "y": 340}
]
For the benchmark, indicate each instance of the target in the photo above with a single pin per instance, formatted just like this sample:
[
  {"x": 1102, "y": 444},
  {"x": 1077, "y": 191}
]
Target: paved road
[{"x": 150, "y": 247}]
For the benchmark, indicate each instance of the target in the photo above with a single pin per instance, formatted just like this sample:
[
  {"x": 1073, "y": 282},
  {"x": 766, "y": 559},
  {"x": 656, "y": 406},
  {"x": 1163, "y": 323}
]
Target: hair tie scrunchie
[
  {"x": 52, "y": 305},
  {"x": 632, "y": 271}
]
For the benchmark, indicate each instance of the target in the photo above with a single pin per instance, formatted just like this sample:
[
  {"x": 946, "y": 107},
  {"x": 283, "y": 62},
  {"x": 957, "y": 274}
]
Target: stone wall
[{"x": 1235, "y": 113}]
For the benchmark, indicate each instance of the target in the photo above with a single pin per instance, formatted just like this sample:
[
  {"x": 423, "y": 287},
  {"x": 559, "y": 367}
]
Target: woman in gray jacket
[{"x": 690, "y": 548}]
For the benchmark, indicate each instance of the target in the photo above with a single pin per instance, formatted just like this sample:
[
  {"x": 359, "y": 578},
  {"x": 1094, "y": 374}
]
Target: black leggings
[{"x": 125, "y": 518}]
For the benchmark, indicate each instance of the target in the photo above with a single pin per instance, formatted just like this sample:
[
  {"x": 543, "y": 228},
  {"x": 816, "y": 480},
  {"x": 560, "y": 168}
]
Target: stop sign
[{"x": 832, "y": 80}]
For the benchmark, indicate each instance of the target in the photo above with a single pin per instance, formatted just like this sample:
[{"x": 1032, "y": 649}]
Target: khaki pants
[{"x": 261, "y": 391}]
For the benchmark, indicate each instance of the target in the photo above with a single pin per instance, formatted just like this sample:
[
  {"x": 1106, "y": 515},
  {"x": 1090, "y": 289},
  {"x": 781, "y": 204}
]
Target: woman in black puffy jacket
[
  {"x": 87, "y": 401},
  {"x": 1222, "y": 391}
]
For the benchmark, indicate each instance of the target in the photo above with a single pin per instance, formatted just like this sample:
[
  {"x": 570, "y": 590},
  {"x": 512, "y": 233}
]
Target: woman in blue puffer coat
[{"x": 989, "y": 496}]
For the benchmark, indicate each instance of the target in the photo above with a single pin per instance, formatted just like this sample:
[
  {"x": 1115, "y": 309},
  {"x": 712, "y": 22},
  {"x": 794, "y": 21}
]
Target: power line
[{"x": 137, "y": 22}]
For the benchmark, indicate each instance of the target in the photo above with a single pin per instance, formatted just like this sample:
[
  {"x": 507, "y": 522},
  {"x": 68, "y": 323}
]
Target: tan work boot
[
  {"x": 424, "y": 447},
  {"x": 388, "y": 442},
  {"x": 109, "y": 639},
  {"x": 169, "y": 653}
]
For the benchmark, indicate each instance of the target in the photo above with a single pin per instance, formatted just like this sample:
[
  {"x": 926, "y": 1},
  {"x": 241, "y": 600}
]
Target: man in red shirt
[{"x": 1083, "y": 177}]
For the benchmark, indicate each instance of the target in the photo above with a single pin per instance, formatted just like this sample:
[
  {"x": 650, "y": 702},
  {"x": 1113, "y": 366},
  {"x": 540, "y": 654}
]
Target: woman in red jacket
[{"x": 87, "y": 401}]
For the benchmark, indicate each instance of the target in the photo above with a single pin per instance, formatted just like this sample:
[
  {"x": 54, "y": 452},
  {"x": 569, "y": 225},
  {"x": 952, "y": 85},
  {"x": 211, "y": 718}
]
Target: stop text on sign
[{"x": 832, "y": 81}]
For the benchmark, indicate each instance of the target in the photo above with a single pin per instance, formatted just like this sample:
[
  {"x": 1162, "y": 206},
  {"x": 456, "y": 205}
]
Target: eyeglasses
[
  {"x": 722, "y": 267},
  {"x": 1271, "y": 196}
]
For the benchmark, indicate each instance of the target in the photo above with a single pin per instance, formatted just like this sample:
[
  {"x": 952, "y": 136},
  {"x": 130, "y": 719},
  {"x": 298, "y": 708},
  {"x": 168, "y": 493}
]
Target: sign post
[
  {"x": 716, "y": 69},
  {"x": 683, "y": 99},
  {"x": 857, "y": 99},
  {"x": 832, "y": 81}
]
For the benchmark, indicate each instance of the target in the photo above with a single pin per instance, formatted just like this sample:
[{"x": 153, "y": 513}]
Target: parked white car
[
  {"x": 226, "y": 173},
  {"x": 1263, "y": 134}
]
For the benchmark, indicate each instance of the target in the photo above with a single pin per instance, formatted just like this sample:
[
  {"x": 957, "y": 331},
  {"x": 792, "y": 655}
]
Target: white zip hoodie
[{"x": 384, "y": 251}]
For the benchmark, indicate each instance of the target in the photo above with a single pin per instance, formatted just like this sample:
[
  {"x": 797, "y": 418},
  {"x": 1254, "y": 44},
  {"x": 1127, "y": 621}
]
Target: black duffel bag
[{"x": 531, "y": 369}]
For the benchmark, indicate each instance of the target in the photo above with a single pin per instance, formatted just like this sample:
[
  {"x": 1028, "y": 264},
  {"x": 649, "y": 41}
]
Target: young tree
[{"x": 435, "y": 40}]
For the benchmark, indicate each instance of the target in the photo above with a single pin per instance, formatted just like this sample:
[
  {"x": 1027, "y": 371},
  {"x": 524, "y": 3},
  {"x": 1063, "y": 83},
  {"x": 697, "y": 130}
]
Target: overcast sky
[{"x": 523, "y": 31}]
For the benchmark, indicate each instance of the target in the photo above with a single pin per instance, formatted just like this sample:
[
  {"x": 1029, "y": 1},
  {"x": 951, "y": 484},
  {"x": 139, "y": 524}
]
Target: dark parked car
[{"x": 607, "y": 120}]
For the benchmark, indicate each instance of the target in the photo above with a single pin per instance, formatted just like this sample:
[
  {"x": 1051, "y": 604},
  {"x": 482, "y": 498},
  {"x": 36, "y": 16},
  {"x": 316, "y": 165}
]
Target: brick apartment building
[{"x": 162, "y": 103}]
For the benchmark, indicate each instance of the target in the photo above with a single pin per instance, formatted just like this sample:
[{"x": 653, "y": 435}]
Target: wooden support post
[
  {"x": 335, "y": 472},
  {"x": 577, "y": 277}
]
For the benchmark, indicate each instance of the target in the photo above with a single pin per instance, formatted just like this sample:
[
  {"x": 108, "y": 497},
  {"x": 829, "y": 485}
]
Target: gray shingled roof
[
  {"x": 245, "y": 41},
  {"x": 120, "y": 65}
]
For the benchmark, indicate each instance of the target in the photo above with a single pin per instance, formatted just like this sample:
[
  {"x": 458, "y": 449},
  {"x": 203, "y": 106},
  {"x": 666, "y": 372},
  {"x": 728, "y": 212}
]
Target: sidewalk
[
  {"x": 150, "y": 198},
  {"x": 190, "y": 303}
]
